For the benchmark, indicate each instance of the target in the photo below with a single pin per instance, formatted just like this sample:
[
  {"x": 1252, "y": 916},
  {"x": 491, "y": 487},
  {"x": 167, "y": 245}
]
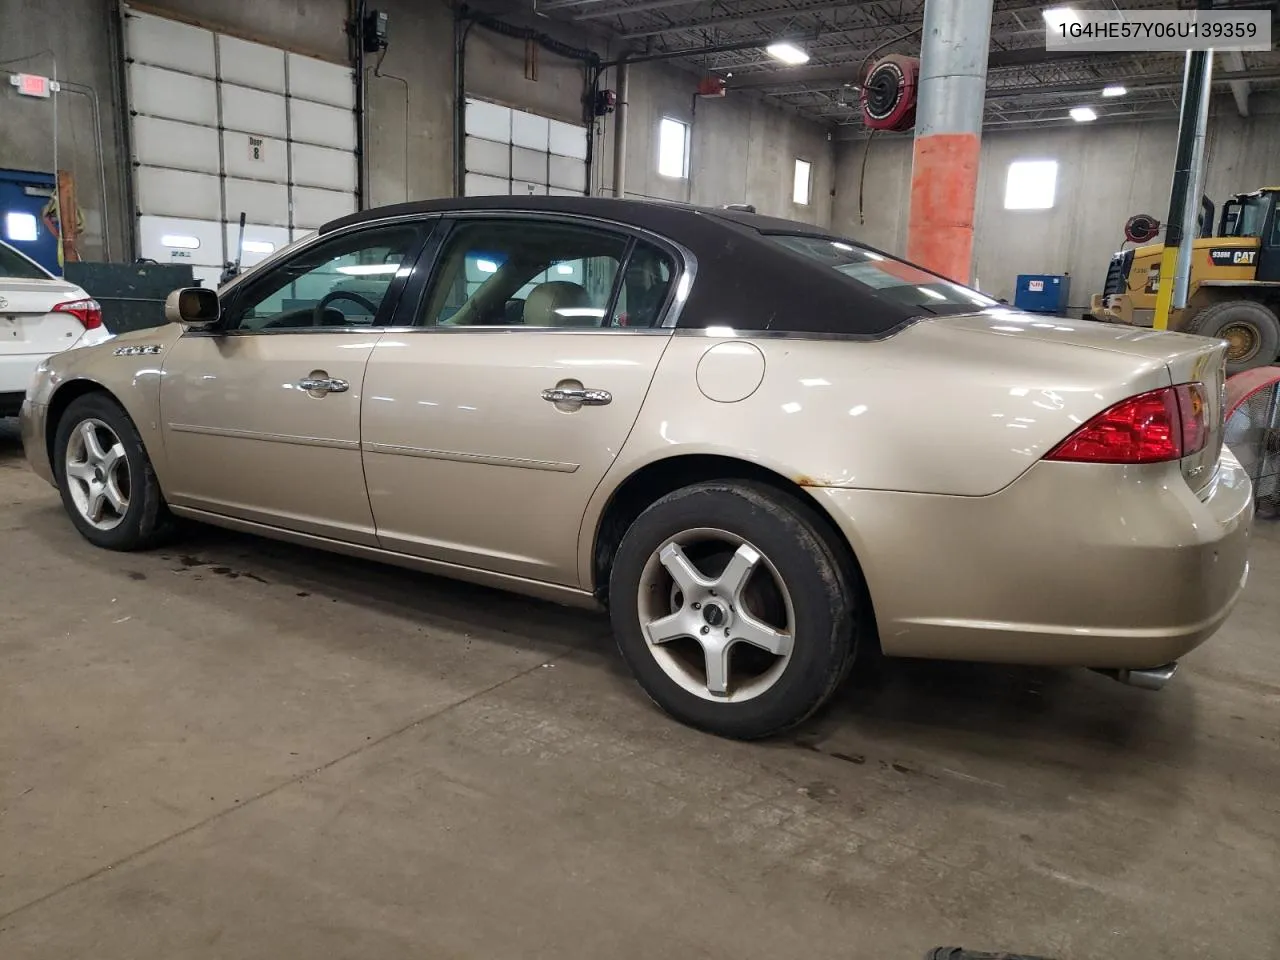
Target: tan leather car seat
[{"x": 559, "y": 303}]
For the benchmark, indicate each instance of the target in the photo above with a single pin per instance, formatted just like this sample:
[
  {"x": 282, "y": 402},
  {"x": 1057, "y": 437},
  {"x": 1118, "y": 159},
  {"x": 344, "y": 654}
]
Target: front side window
[
  {"x": 1253, "y": 216},
  {"x": 526, "y": 273},
  {"x": 885, "y": 278},
  {"x": 335, "y": 283}
]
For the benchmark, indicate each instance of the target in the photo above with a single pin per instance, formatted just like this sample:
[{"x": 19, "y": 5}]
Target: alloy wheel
[
  {"x": 717, "y": 615},
  {"x": 97, "y": 474}
]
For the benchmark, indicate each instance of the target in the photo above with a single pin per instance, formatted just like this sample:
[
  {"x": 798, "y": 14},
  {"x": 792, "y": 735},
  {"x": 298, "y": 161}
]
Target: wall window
[
  {"x": 673, "y": 148},
  {"x": 20, "y": 227},
  {"x": 800, "y": 187},
  {"x": 1031, "y": 185}
]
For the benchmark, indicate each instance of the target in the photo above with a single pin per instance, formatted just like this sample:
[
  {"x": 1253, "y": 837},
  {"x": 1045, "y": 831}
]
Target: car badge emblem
[
  {"x": 136, "y": 351},
  {"x": 3, "y": 303}
]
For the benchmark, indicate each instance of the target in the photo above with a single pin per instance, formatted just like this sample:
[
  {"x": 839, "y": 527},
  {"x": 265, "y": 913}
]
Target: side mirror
[{"x": 194, "y": 307}]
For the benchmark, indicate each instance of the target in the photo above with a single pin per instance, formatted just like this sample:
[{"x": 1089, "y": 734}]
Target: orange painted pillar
[
  {"x": 944, "y": 167},
  {"x": 944, "y": 188}
]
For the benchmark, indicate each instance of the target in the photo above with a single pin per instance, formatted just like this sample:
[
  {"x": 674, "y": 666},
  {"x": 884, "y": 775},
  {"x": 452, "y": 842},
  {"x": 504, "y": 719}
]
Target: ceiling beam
[
  {"x": 914, "y": 19},
  {"x": 643, "y": 7},
  {"x": 733, "y": 20},
  {"x": 563, "y": 4},
  {"x": 1234, "y": 61},
  {"x": 684, "y": 52},
  {"x": 852, "y": 132},
  {"x": 841, "y": 76},
  {"x": 849, "y": 73}
]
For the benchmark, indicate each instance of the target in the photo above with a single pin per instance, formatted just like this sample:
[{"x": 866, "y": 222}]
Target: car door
[
  {"x": 262, "y": 415},
  {"x": 487, "y": 427}
]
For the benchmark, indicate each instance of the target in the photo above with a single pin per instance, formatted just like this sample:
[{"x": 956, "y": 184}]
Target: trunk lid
[
  {"x": 1188, "y": 359},
  {"x": 26, "y": 324}
]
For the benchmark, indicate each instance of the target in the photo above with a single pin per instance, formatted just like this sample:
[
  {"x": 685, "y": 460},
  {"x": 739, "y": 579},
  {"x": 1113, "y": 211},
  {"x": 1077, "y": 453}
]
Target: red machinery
[{"x": 889, "y": 93}]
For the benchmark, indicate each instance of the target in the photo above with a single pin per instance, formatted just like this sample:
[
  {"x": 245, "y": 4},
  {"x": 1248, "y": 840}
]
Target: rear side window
[
  {"x": 885, "y": 278},
  {"x": 18, "y": 267}
]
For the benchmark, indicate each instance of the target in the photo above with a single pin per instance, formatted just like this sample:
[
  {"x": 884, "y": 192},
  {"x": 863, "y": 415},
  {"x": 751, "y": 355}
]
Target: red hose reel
[{"x": 889, "y": 93}]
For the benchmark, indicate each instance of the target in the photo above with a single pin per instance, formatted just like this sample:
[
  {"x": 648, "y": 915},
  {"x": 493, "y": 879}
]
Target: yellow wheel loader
[{"x": 1234, "y": 291}]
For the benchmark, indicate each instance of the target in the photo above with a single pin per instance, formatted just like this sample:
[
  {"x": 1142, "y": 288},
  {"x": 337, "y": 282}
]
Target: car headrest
[{"x": 559, "y": 303}]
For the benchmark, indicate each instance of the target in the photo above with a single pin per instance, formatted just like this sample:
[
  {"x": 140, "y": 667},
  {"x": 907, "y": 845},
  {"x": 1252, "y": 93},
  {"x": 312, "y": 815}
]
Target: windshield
[
  {"x": 886, "y": 278},
  {"x": 15, "y": 265},
  {"x": 1249, "y": 219}
]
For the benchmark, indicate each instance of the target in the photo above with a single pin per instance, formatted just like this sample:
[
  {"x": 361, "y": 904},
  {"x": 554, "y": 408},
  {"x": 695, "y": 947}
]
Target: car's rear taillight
[
  {"x": 1193, "y": 407},
  {"x": 1165, "y": 424},
  {"x": 88, "y": 312}
]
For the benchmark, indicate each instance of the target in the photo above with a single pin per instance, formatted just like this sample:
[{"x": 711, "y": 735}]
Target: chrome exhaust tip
[{"x": 1149, "y": 678}]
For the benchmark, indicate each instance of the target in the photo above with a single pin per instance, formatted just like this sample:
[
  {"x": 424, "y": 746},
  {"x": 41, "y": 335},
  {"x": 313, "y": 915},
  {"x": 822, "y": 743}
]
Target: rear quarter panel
[{"x": 935, "y": 409}]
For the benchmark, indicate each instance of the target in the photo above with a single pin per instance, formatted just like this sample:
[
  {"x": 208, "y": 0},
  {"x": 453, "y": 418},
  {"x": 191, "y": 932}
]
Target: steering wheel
[{"x": 317, "y": 315}]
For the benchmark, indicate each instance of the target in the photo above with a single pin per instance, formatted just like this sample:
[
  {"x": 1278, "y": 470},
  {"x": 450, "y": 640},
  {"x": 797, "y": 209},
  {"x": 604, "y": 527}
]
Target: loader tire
[{"x": 1251, "y": 330}]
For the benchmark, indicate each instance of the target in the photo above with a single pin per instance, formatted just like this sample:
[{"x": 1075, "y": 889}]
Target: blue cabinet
[{"x": 1042, "y": 292}]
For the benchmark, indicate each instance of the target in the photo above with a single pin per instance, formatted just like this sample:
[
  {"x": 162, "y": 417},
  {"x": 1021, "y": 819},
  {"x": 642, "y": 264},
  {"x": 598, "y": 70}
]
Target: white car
[{"x": 40, "y": 315}]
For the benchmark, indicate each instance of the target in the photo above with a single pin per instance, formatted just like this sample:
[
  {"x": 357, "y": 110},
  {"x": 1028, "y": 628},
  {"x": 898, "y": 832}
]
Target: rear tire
[
  {"x": 108, "y": 486},
  {"x": 743, "y": 661},
  {"x": 1250, "y": 328}
]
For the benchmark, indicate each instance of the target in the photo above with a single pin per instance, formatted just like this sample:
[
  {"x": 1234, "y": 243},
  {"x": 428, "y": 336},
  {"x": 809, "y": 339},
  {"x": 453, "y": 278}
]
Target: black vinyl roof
[
  {"x": 744, "y": 280},
  {"x": 653, "y": 215}
]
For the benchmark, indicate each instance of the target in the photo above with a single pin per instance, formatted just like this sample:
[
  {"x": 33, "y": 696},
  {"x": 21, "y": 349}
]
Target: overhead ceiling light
[
  {"x": 1083, "y": 114},
  {"x": 788, "y": 53},
  {"x": 1059, "y": 15},
  {"x": 1114, "y": 90}
]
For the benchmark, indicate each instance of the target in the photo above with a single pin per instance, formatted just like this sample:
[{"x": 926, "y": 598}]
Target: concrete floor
[{"x": 240, "y": 749}]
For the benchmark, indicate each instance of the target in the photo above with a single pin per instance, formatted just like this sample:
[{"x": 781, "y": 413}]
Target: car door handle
[
  {"x": 323, "y": 385},
  {"x": 583, "y": 395}
]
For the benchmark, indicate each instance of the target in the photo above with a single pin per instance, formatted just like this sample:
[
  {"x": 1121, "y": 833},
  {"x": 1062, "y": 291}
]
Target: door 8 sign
[{"x": 256, "y": 149}]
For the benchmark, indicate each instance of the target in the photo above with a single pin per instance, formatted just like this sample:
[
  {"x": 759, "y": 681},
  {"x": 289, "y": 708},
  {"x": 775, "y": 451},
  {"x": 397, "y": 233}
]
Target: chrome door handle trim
[
  {"x": 323, "y": 385},
  {"x": 583, "y": 395}
]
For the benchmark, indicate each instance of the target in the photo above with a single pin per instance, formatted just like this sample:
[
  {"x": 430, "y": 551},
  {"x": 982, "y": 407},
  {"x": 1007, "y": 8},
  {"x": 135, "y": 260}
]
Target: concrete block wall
[
  {"x": 1106, "y": 173},
  {"x": 742, "y": 149},
  {"x": 75, "y": 45}
]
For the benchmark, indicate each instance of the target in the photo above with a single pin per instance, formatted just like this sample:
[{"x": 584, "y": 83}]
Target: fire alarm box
[{"x": 606, "y": 100}]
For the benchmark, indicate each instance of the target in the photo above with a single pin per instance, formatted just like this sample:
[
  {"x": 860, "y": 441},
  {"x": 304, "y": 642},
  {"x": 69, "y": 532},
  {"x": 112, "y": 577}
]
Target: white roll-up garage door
[
  {"x": 523, "y": 154},
  {"x": 221, "y": 125}
]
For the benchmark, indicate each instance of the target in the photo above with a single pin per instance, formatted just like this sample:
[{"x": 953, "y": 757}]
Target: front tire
[
  {"x": 108, "y": 486},
  {"x": 732, "y": 608},
  {"x": 1251, "y": 330}
]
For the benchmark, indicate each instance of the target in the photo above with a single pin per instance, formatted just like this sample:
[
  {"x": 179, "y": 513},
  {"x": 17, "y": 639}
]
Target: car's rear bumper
[
  {"x": 16, "y": 370},
  {"x": 1072, "y": 564},
  {"x": 31, "y": 422},
  {"x": 11, "y": 403}
]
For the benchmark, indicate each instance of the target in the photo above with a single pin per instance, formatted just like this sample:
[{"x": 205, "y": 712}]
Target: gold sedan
[{"x": 762, "y": 446}]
